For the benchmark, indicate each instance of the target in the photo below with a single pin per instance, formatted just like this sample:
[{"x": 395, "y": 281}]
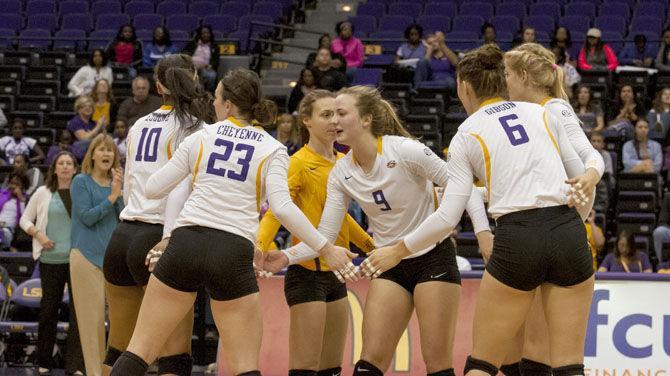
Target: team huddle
[{"x": 198, "y": 172}]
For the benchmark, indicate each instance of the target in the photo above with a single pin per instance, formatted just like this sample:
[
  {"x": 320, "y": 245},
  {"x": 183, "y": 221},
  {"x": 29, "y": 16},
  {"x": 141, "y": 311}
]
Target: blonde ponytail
[{"x": 539, "y": 64}]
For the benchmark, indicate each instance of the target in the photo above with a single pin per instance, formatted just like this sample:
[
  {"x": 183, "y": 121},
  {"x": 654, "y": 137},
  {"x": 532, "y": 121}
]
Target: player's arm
[
  {"x": 587, "y": 153},
  {"x": 358, "y": 236},
  {"x": 163, "y": 181}
]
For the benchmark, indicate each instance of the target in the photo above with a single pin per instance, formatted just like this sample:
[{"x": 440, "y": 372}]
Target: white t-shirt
[{"x": 11, "y": 147}]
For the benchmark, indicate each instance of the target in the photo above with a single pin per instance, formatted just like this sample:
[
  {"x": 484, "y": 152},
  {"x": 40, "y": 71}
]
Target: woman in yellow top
[
  {"x": 103, "y": 99},
  {"x": 317, "y": 300}
]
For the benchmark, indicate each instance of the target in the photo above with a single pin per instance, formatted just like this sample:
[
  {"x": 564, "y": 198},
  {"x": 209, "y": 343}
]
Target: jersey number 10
[
  {"x": 516, "y": 133},
  {"x": 147, "y": 150},
  {"x": 228, "y": 148}
]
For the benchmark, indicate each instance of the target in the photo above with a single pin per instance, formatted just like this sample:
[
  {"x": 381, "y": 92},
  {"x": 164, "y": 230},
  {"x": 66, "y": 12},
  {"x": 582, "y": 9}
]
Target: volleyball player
[
  {"x": 234, "y": 166},
  {"x": 317, "y": 300},
  {"x": 523, "y": 155},
  {"x": 532, "y": 76},
  {"x": 391, "y": 176},
  {"x": 151, "y": 142}
]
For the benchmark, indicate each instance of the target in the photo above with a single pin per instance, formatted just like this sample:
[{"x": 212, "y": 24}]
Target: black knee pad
[
  {"x": 129, "y": 364},
  {"x": 363, "y": 368},
  {"x": 480, "y": 365},
  {"x": 180, "y": 364},
  {"x": 335, "y": 371},
  {"x": 533, "y": 368},
  {"x": 250, "y": 373},
  {"x": 571, "y": 370},
  {"x": 301, "y": 372},
  {"x": 444, "y": 372},
  {"x": 111, "y": 356},
  {"x": 511, "y": 369}
]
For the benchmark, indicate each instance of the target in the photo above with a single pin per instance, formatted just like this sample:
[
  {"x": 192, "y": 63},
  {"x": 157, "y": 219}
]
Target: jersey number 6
[
  {"x": 228, "y": 146},
  {"x": 516, "y": 133}
]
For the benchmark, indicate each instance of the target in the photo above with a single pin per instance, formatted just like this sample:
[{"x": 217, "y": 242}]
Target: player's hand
[
  {"x": 582, "y": 187},
  {"x": 485, "y": 241},
  {"x": 275, "y": 261},
  {"x": 259, "y": 260},
  {"x": 339, "y": 261},
  {"x": 383, "y": 259},
  {"x": 155, "y": 253}
]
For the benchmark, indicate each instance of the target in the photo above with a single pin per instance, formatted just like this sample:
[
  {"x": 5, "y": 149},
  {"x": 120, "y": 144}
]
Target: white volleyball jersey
[
  {"x": 228, "y": 166},
  {"x": 150, "y": 144},
  {"x": 515, "y": 147}
]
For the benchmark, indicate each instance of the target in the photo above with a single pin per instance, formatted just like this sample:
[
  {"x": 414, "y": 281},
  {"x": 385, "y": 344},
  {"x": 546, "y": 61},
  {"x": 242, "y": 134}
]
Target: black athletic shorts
[
  {"x": 220, "y": 261},
  {"x": 535, "y": 246},
  {"x": 439, "y": 264},
  {"x": 127, "y": 251},
  {"x": 302, "y": 285}
]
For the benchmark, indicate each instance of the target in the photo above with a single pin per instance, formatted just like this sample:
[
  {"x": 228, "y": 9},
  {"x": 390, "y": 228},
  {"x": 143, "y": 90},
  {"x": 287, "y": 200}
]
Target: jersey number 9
[
  {"x": 228, "y": 146},
  {"x": 516, "y": 133},
  {"x": 379, "y": 198}
]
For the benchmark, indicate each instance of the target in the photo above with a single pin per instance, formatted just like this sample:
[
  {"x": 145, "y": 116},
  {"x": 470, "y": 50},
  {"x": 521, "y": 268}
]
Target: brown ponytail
[
  {"x": 483, "y": 68},
  {"x": 243, "y": 88},
  {"x": 385, "y": 119}
]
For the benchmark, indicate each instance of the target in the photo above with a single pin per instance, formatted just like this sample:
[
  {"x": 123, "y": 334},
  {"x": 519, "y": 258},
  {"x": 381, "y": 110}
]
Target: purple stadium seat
[
  {"x": 203, "y": 8},
  {"x": 76, "y": 21},
  {"x": 6, "y": 36},
  {"x": 184, "y": 22},
  {"x": 381, "y": 1},
  {"x": 10, "y": 7},
  {"x": 645, "y": 23},
  {"x": 72, "y": 7},
  {"x": 42, "y": 21},
  {"x": 504, "y": 39},
  {"x": 180, "y": 38},
  {"x": 581, "y": 9},
  {"x": 434, "y": 23},
  {"x": 111, "y": 21},
  {"x": 515, "y": 8},
  {"x": 73, "y": 39},
  {"x": 235, "y": 8},
  {"x": 147, "y": 21},
  {"x": 541, "y": 23},
  {"x": 387, "y": 46},
  {"x": 223, "y": 23},
  {"x": 505, "y": 24},
  {"x": 440, "y": 9},
  {"x": 26, "y": 294},
  {"x": 105, "y": 7},
  {"x": 367, "y": 76},
  {"x": 382, "y": 61},
  {"x": 610, "y": 23},
  {"x": 245, "y": 23},
  {"x": 138, "y": 7},
  {"x": 544, "y": 8},
  {"x": 652, "y": 9},
  {"x": 615, "y": 8},
  {"x": 265, "y": 8},
  {"x": 471, "y": 24},
  {"x": 576, "y": 24},
  {"x": 171, "y": 7},
  {"x": 405, "y": 9},
  {"x": 41, "y": 7},
  {"x": 11, "y": 21},
  {"x": 145, "y": 35},
  {"x": 371, "y": 9},
  {"x": 25, "y": 40},
  {"x": 100, "y": 38},
  {"x": 243, "y": 37},
  {"x": 476, "y": 9},
  {"x": 394, "y": 23},
  {"x": 463, "y": 40},
  {"x": 614, "y": 39},
  {"x": 363, "y": 24}
]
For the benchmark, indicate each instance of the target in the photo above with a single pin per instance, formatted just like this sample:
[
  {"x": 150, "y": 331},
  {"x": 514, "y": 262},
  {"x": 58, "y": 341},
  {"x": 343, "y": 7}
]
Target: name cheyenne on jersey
[
  {"x": 246, "y": 133},
  {"x": 502, "y": 107}
]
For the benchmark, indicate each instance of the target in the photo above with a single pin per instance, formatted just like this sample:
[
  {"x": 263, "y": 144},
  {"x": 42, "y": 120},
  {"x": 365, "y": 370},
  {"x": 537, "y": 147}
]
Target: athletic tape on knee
[
  {"x": 335, "y": 371},
  {"x": 511, "y": 369},
  {"x": 129, "y": 364},
  {"x": 302, "y": 372},
  {"x": 444, "y": 372},
  {"x": 480, "y": 365},
  {"x": 250, "y": 373},
  {"x": 532, "y": 368},
  {"x": 571, "y": 370},
  {"x": 180, "y": 364},
  {"x": 363, "y": 368},
  {"x": 111, "y": 356}
]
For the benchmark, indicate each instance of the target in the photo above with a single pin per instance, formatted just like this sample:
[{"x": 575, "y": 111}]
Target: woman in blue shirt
[
  {"x": 95, "y": 211},
  {"x": 641, "y": 154},
  {"x": 160, "y": 47}
]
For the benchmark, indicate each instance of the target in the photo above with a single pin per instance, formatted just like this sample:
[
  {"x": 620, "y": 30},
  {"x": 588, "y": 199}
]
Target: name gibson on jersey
[{"x": 502, "y": 107}]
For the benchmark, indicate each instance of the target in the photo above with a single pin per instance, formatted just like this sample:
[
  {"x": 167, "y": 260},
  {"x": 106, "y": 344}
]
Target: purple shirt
[
  {"x": 442, "y": 68},
  {"x": 77, "y": 123},
  {"x": 612, "y": 265}
]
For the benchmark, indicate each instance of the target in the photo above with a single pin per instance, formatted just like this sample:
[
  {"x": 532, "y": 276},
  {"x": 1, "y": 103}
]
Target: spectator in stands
[
  {"x": 120, "y": 133},
  {"x": 95, "y": 213},
  {"x": 324, "y": 42},
  {"x": 437, "y": 68},
  {"x": 626, "y": 257},
  {"x": 17, "y": 143},
  {"x": 562, "y": 38},
  {"x": 205, "y": 53},
  {"x": 594, "y": 234},
  {"x": 488, "y": 33},
  {"x": 288, "y": 133},
  {"x": 325, "y": 75},
  {"x": 64, "y": 144},
  {"x": 12, "y": 204},
  {"x": 140, "y": 104},
  {"x": 570, "y": 74},
  {"x": 596, "y": 55},
  {"x": 126, "y": 50},
  {"x": 662, "y": 231},
  {"x": 411, "y": 52},
  {"x": 625, "y": 112},
  {"x": 663, "y": 57},
  {"x": 641, "y": 154},
  {"x": 639, "y": 54},
  {"x": 104, "y": 104},
  {"x": 47, "y": 220},
  {"x": 527, "y": 35},
  {"x": 588, "y": 111},
  {"x": 306, "y": 83},
  {"x": 83, "y": 81},
  {"x": 82, "y": 125},
  {"x": 22, "y": 166},
  {"x": 3, "y": 119},
  {"x": 349, "y": 46},
  {"x": 598, "y": 141},
  {"x": 159, "y": 47},
  {"x": 659, "y": 116}
]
